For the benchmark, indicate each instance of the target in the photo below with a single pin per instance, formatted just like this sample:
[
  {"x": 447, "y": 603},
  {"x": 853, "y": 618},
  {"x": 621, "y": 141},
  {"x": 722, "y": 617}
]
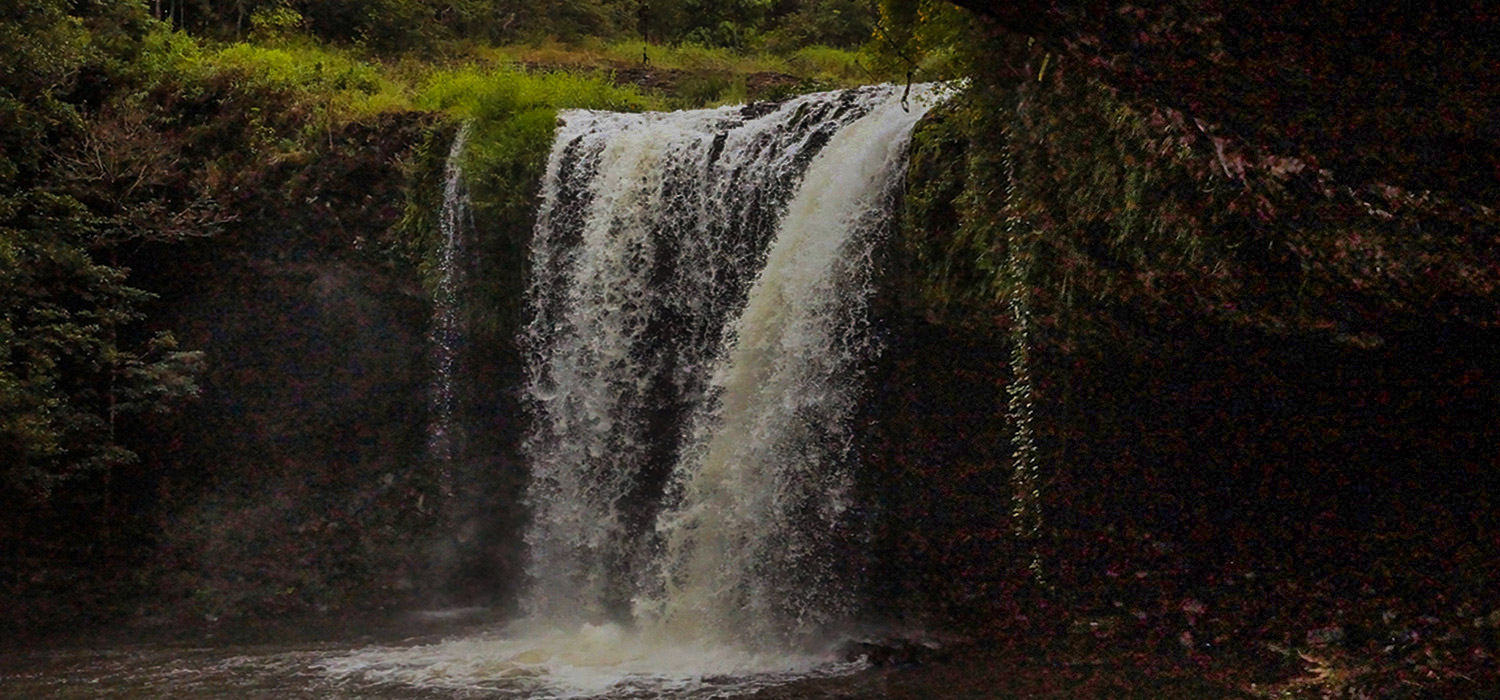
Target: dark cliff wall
[
  {"x": 1398, "y": 92},
  {"x": 298, "y": 481},
  {"x": 1223, "y": 393}
]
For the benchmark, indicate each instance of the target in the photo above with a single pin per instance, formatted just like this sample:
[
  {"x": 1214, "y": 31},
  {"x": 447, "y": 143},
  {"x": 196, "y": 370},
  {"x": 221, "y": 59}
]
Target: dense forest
[
  {"x": 425, "y": 26},
  {"x": 1190, "y": 315}
]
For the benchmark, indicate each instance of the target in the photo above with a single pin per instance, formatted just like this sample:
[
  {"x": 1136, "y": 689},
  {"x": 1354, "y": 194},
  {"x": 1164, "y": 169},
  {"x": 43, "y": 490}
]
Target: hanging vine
[{"x": 1020, "y": 404}]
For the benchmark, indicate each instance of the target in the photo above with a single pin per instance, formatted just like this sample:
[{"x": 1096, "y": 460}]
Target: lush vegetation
[
  {"x": 400, "y": 25},
  {"x": 73, "y": 196}
]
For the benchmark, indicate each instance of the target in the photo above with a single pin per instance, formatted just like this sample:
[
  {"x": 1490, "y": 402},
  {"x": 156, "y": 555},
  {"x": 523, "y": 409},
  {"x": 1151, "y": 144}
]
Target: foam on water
[{"x": 608, "y": 660}]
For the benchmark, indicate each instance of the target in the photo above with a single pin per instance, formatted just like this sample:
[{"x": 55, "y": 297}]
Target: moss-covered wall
[{"x": 1238, "y": 364}]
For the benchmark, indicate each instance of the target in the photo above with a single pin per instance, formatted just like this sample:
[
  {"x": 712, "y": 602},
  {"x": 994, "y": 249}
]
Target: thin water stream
[{"x": 447, "y": 332}]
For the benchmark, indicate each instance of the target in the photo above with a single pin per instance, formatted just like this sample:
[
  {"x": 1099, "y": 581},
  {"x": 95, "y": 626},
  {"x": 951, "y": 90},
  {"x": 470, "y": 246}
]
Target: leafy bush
[
  {"x": 270, "y": 23},
  {"x": 840, "y": 23}
]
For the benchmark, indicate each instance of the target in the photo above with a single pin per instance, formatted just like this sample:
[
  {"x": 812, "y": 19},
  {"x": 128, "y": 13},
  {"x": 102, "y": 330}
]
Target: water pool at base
[{"x": 492, "y": 661}]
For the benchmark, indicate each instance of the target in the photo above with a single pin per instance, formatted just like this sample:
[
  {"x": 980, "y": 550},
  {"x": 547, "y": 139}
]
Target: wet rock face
[
  {"x": 295, "y": 484},
  {"x": 313, "y": 338},
  {"x": 312, "y": 363}
]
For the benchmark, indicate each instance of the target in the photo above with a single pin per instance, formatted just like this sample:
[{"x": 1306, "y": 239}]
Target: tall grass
[
  {"x": 825, "y": 63},
  {"x": 838, "y": 67},
  {"x": 479, "y": 93},
  {"x": 333, "y": 85},
  {"x": 341, "y": 85}
]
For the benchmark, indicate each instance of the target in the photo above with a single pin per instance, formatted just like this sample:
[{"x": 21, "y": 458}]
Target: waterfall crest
[{"x": 699, "y": 293}]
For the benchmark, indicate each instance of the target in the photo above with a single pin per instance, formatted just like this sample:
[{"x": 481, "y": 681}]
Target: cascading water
[
  {"x": 652, "y": 229},
  {"x": 700, "y": 327},
  {"x": 447, "y": 323},
  {"x": 759, "y": 522}
]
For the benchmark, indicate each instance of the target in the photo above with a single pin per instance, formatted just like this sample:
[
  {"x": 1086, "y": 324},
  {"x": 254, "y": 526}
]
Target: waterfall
[
  {"x": 699, "y": 291},
  {"x": 699, "y": 331},
  {"x": 447, "y": 322}
]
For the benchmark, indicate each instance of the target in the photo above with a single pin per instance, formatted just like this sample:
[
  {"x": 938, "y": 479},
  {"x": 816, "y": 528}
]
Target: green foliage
[
  {"x": 513, "y": 116},
  {"x": 333, "y": 84},
  {"x": 45, "y": 49},
  {"x": 428, "y": 26},
  {"x": 73, "y": 362},
  {"x": 702, "y": 90},
  {"x": 692, "y": 75},
  {"x": 382, "y": 25},
  {"x": 955, "y": 259},
  {"x": 1145, "y": 212},
  {"x": 65, "y": 375},
  {"x": 304, "y": 68},
  {"x": 400, "y": 26},
  {"x": 573, "y": 19},
  {"x": 495, "y": 95},
  {"x": 827, "y": 63},
  {"x": 45, "y": 46},
  {"x": 933, "y": 37},
  {"x": 166, "y": 55},
  {"x": 838, "y": 23},
  {"x": 735, "y": 23},
  {"x": 275, "y": 22},
  {"x": 782, "y": 26}
]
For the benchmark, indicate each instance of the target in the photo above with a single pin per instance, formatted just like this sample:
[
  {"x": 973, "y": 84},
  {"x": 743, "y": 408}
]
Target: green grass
[
  {"x": 335, "y": 81},
  {"x": 814, "y": 63},
  {"x": 480, "y": 93},
  {"x": 342, "y": 85},
  {"x": 837, "y": 65}
]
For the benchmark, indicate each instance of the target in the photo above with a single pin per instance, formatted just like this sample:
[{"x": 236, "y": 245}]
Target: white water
[
  {"x": 759, "y": 522},
  {"x": 608, "y": 660},
  {"x": 447, "y": 322},
  {"x": 652, "y": 229},
  {"x": 700, "y": 292}
]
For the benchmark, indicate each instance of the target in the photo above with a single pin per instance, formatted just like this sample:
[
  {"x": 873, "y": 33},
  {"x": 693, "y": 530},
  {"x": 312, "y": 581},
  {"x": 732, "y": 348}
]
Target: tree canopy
[
  {"x": 74, "y": 360},
  {"x": 401, "y": 25}
]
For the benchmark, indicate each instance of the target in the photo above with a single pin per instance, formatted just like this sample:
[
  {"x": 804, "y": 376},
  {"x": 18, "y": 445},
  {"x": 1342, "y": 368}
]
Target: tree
[{"x": 72, "y": 360}]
